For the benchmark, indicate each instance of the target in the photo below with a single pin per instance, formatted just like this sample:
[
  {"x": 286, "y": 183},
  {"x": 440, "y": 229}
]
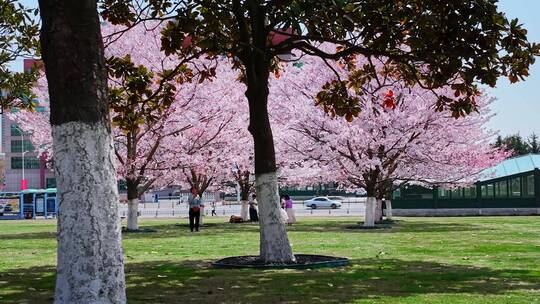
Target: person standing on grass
[
  {"x": 289, "y": 209},
  {"x": 253, "y": 212},
  {"x": 194, "y": 203}
]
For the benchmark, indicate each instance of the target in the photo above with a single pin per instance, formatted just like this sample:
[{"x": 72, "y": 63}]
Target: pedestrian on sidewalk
[
  {"x": 195, "y": 205},
  {"x": 214, "y": 209},
  {"x": 289, "y": 209}
]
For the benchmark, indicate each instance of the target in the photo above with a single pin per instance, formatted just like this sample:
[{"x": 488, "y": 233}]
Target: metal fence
[{"x": 180, "y": 209}]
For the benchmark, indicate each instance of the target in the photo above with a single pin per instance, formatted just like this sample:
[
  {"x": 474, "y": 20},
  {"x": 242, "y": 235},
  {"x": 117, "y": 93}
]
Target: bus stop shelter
[{"x": 38, "y": 202}]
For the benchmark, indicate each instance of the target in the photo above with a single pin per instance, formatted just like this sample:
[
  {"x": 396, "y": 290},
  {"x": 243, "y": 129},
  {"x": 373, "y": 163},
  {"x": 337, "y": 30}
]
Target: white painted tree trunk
[
  {"x": 244, "y": 211},
  {"x": 378, "y": 211},
  {"x": 201, "y": 216},
  {"x": 389, "y": 209},
  {"x": 369, "y": 219},
  {"x": 90, "y": 266},
  {"x": 274, "y": 243},
  {"x": 132, "y": 216}
]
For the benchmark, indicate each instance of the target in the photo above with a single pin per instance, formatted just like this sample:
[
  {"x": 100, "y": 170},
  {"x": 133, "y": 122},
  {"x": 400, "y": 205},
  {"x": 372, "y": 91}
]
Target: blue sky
[{"x": 518, "y": 105}]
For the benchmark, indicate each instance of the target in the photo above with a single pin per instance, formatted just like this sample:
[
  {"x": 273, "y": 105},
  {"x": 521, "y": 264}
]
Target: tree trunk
[
  {"x": 133, "y": 205},
  {"x": 245, "y": 186},
  {"x": 244, "y": 196},
  {"x": 388, "y": 209},
  {"x": 274, "y": 243},
  {"x": 369, "y": 219},
  {"x": 201, "y": 215},
  {"x": 133, "y": 214},
  {"x": 244, "y": 210},
  {"x": 378, "y": 211},
  {"x": 90, "y": 266}
]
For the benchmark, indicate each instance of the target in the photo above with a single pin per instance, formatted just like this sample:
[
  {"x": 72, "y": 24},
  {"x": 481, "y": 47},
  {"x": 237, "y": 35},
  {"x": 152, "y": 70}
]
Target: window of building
[
  {"x": 122, "y": 185},
  {"x": 39, "y": 109},
  {"x": 30, "y": 162},
  {"x": 18, "y": 146},
  {"x": 16, "y": 131},
  {"x": 443, "y": 193},
  {"x": 515, "y": 187},
  {"x": 501, "y": 189},
  {"x": 469, "y": 192},
  {"x": 457, "y": 193},
  {"x": 50, "y": 182},
  {"x": 396, "y": 194},
  {"x": 487, "y": 190},
  {"x": 426, "y": 195},
  {"x": 528, "y": 185}
]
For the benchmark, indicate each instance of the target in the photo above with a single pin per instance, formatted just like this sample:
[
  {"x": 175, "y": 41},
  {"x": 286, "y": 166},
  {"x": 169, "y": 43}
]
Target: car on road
[
  {"x": 322, "y": 202},
  {"x": 340, "y": 199},
  {"x": 360, "y": 193}
]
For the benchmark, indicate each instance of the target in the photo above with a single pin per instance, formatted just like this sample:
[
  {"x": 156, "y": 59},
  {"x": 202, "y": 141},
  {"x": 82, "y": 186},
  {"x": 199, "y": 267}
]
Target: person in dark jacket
[
  {"x": 253, "y": 209},
  {"x": 194, "y": 203}
]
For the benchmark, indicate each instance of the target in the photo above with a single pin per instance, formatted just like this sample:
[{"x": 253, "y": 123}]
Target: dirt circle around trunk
[{"x": 303, "y": 261}]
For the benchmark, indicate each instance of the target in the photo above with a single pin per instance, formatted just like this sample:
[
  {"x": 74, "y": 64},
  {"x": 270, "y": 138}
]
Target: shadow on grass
[
  {"x": 29, "y": 236},
  {"x": 396, "y": 227},
  {"x": 182, "y": 229},
  {"x": 197, "y": 282},
  {"x": 331, "y": 226}
]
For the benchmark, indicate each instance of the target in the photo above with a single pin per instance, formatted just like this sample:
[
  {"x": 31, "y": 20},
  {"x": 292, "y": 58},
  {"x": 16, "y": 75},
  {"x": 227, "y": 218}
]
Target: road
[
  {"x": 169, "y": 208},
  {"x": 166, "y": 208}
]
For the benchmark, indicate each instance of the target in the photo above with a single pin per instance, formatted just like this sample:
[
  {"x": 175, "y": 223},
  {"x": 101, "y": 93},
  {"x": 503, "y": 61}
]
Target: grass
[{"x": 420, "y": 260}]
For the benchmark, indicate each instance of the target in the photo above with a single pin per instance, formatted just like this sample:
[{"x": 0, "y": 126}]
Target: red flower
[{"x": 389, "y": 101}]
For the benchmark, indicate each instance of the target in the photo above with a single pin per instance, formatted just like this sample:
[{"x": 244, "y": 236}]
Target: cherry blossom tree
[
  {"x": 159, "y": 124},
  {"x": 144, "y": 105},
  {"x": 37, "y": 123},
  {"x": 415, "y": 45},
  {"x": 397, "y": 137}
]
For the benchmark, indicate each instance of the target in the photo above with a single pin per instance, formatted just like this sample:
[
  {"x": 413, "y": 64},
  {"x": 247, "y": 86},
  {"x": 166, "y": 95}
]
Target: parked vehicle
[
  {"x": 8, "y": 208},
  {"x": 7, "y": 199},
  {"x": 360, "y": 193},
  {"x": 1, "y": 210},
  {"x": 322, "y": 202}
]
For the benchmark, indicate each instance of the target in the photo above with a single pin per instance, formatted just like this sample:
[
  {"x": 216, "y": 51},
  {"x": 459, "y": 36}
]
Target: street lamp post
[{"x": 23, "y": 152}]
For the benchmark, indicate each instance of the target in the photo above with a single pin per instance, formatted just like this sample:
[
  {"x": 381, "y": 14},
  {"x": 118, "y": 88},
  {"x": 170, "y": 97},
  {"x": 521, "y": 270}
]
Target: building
[
  {"x": 18, "y": 149},
  {"x": 513, "y": 188}
]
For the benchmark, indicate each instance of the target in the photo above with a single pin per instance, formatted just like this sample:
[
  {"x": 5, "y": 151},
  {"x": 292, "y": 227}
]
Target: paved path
[{"x": 167, "y": 208}]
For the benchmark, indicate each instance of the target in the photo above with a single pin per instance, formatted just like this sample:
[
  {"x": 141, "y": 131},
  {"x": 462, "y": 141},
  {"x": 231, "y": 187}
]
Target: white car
[{"x": 322, "y": 202}]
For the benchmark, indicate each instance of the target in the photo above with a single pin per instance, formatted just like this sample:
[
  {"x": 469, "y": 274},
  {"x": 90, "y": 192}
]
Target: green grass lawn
[{"x": 420, "y": 260}]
